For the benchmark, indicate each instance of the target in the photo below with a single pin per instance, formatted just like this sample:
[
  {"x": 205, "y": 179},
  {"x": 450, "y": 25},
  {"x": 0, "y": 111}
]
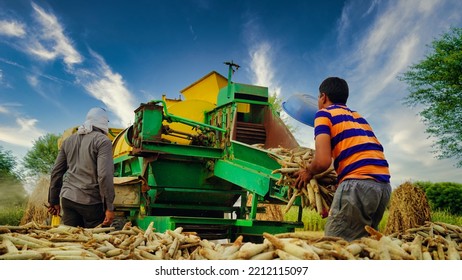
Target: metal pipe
[{"x": 189, "y": 122}]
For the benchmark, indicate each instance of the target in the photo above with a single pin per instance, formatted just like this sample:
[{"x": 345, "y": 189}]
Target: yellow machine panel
[
  {"x": 120, "y": 146},
  {"x": 112, "y": 133},
  {"x": 206, "y": 88},
  {"x": 243, "y": 108}
]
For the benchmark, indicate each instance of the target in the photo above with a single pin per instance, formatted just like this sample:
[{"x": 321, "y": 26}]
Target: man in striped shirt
[{"x": 344, "y": 136}]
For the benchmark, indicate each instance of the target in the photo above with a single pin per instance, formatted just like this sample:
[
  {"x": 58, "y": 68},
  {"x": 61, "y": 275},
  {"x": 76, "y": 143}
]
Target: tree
[
  {"x": 443, "y": 196},
  {"x": 276, "y": 104},
  {"x": 435, "y": 83},
  {"x": 40, "y": 159},
  {"x": 7, "y": 164},
  {"x": 11, "y": 189}
]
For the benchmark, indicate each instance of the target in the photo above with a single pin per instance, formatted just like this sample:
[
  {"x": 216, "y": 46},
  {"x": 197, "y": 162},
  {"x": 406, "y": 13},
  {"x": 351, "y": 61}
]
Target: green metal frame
[
  {"x": 233, "y": 227},
  {"x": 198, "y": 185}
]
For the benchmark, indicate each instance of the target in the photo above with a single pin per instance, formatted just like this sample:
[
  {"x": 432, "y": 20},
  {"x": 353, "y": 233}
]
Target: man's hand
[
  {"x": 109, "y": 217},
  {"x": 54, "y": 209},
  {"x": 304, "y": 176}
]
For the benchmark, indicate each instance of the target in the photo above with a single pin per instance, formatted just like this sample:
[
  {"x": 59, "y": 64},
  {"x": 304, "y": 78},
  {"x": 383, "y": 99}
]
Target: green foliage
[
  {"x": 40, "y": 159},
  {"x": 384, "y": 221},
  {"x": 7, "y": 164},
  {"x": 425, "y": 185},
  {"x": 436, "y": 84},
  {"x": 275, "y": 102},
  {"x": 11, "y": 214},
  {"x": 443, "y": 196},
  {"x": 446, "y": 217},
  {"x": 11, "y": 189},
  {"x": 12, "y": 192}
]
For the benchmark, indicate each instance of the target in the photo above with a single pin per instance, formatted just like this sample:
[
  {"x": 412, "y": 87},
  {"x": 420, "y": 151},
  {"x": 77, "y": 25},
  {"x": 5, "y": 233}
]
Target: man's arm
[
  {"x": 56, "y": 178},
  {"x": 321, "y": 161},
  {"x": 105, "y": 165},
  {"x": 322, "y": 155}
]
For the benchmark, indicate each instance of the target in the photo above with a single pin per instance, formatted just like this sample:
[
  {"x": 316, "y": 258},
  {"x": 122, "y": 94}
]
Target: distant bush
[
  {"x": 11, "y": 214},
  {"x": 443, "y": 196},
  {"x": 445, "y": 217},
  {"x": 12, "y": 191}
]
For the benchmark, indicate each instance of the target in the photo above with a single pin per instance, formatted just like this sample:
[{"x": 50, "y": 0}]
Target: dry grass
[
  {"x": 273, "y": 212},
  {"x": 35, "y": 209},
  {"x": 409, "y": 208}
]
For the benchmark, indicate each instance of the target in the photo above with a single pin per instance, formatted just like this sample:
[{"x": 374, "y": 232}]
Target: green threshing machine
[{"x": 194, "y": 163}]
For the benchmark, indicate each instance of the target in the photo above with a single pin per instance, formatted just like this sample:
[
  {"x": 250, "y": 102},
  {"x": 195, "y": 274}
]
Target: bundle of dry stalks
[
  {"x": 318, "y": 193},
  {"x": 409, "y": 208},
  {"x": 433, "y": 241},
  {"x": 272, "y": 212},
  {"x": 35, "y": 209}
]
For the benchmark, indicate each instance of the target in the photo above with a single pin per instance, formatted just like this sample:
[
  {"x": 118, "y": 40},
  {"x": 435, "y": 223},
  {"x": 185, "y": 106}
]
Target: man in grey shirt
[{"x": 83, "y": 175}]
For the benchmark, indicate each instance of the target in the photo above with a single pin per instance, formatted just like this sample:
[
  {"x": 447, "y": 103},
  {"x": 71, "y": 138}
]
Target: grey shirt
[{"x": 84, "y": 170}]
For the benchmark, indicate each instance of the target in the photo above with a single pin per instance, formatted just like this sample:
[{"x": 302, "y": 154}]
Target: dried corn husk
[
  {"x": 435, "y": 241},
  {"x": 318, "y": 193}
]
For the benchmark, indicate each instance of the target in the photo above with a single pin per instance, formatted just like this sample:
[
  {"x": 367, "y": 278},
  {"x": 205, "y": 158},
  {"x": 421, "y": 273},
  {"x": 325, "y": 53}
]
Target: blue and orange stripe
[{"x": 356, "y": 151}]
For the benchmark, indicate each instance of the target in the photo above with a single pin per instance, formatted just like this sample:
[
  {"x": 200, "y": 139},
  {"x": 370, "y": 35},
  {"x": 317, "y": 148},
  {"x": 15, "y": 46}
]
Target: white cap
[{"x": 96, "y": 117}]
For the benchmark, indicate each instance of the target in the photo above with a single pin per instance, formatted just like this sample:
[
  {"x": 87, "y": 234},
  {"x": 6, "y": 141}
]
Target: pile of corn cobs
[{"x": 435, "y": 241}]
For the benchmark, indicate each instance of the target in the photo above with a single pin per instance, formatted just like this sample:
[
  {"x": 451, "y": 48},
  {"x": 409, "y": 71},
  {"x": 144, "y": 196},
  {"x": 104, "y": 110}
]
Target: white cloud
[
  {"x": 12, "y": 28},
  {"x": 51, "y": 42},
  {"x": 21, "y": 131},
  {"x": 262, "y": 68},
  {"x": 371, "y": 8},
  {"x": 3, "y": 110},
  {"x": 109, "y": 87},
  {"x": 32, "y": 80},
  {"x": 260, "y": 64},
  {"x": 407, "y": 136},
  {"x": 398, "y": 36},
  {"x": 38, "y": 50},
  {"x": 22, "y": 134},
  {"x": 46, "y": 90},
  {"x": 11, "y": 63},
  {"x": 261, "y": 53}
]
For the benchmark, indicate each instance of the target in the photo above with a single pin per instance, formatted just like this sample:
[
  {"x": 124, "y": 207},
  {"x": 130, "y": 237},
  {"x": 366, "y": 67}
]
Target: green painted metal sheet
[
  {"x": 238, "y": 226},
  {"x": 243, "y": 176},
  {"x": 241, "y": 91},
  {"x": 257, "y": 158},
  {"x": 181, "y": 150}
]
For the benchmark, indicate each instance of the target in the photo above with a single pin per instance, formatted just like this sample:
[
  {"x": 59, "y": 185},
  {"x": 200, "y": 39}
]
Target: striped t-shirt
[{"x": 356, "y": 151}]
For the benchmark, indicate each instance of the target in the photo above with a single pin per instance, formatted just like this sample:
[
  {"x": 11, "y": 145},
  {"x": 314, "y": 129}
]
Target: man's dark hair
[{"x": 336, "y": 89}]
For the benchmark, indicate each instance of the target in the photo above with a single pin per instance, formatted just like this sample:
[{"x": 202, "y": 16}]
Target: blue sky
[{"x": 59, "y": 58}]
